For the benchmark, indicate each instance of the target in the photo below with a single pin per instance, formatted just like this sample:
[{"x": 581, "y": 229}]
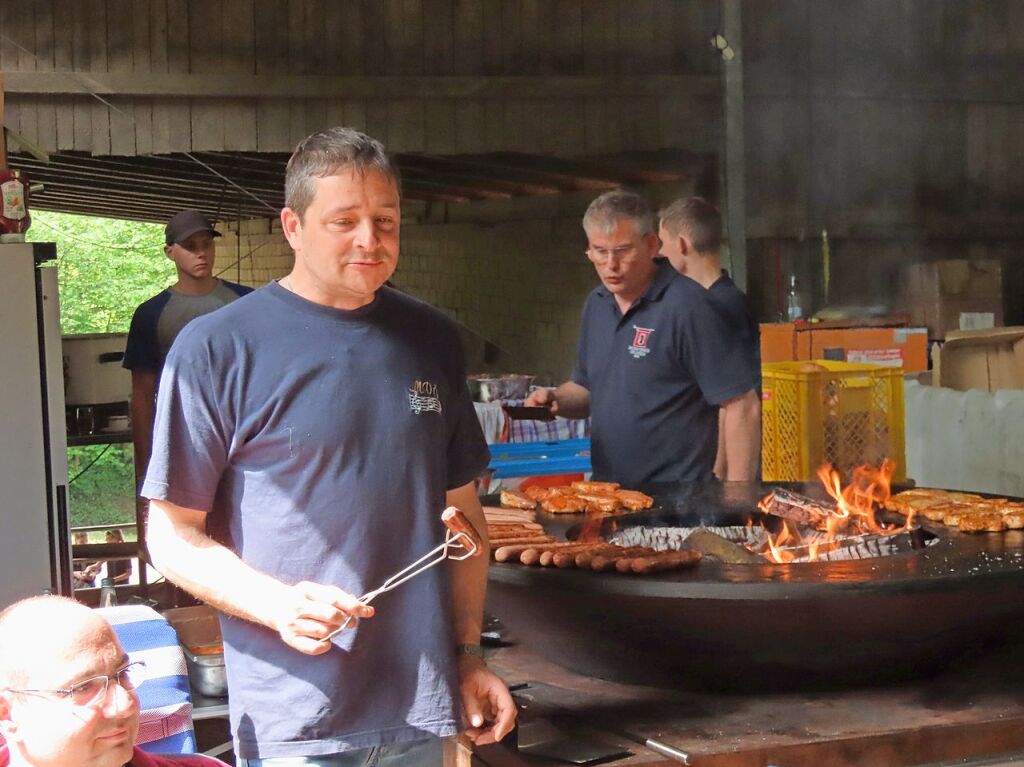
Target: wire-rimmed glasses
[{"x": 93, "y": 690}]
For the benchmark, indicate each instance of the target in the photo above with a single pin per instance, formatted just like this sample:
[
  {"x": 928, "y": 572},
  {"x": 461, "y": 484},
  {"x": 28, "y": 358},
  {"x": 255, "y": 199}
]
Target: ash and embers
[{"x": 848, "y": 526}]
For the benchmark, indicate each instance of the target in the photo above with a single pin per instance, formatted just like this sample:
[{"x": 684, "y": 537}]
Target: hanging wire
[{"x": 89, "y": 465}]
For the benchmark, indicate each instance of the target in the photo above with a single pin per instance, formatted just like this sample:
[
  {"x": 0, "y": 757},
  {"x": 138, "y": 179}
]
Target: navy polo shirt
[
  {"x": 736, "y": 312},
  {"x": 657, "y": 376}
]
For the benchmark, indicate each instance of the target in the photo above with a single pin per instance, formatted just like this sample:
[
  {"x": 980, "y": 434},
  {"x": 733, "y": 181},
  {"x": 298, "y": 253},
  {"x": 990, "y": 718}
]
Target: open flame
[
  {"x": 852, "y": 517},
  {"x": 594, "y": 528}
]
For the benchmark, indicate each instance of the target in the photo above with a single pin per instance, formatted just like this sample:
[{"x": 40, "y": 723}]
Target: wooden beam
[
  {"x": 735, "y": 151},
  {"x": 514, "y": 167},
  {"x": 224, "y": 85}
]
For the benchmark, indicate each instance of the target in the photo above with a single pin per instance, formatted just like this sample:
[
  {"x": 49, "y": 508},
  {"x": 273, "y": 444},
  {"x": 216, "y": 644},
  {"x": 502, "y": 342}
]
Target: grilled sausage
[
  {"x": 525, "y": 540},
  {"x": 602, "y": 562},
  {"x": 508, "y": 550},
  {"x": 457, "y": 522},
  {"x": 664, "y": 560},
  {"x": 547, "y": 558},
  {"x": 571, "y": 558}
]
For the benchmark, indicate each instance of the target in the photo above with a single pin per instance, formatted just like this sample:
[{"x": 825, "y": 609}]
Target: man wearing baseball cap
[{"x": 157, "y": 322}]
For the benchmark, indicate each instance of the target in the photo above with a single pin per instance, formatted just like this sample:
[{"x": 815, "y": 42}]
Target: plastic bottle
[
  {"x": 108, "y": 597},
  {"x": 793, "y": 309}
]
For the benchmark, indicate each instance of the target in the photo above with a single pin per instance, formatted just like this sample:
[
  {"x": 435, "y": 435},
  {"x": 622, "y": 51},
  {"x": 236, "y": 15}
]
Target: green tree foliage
[
  {"x": 102, "y": 485},
  {"x": 107, "y": 267}
]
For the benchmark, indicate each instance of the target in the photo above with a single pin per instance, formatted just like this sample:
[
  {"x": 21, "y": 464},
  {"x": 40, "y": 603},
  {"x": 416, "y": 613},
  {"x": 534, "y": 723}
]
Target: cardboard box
[
  {"x": 892, "y": 347},
  {"x": 778, "y": 342},
  {"x": 938, "y": 294},
  {"x": 989, "y": 360}
]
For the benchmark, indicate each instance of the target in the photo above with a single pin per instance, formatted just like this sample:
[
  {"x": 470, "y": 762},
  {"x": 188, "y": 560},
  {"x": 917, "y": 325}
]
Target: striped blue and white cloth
[{"x": 165, "y": 722}]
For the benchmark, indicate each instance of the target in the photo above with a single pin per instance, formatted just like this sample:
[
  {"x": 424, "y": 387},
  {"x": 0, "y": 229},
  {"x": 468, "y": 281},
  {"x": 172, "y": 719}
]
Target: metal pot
[
  {"x": 92, "y": 369},
  {"x": 488, "y": 388}
]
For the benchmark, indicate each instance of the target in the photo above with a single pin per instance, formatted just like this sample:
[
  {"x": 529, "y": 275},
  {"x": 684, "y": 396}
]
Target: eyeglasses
[
  {"x": 622, "y": 253},
  {"x": 93, "y": 690}
]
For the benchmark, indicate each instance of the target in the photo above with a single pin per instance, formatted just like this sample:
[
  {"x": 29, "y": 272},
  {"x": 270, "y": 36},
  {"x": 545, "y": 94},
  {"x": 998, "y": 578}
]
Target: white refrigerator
[{"x": 35, "y": 552}]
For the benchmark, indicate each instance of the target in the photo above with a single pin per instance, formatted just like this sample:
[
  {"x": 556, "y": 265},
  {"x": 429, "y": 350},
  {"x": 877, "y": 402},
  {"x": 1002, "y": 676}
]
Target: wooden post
[
  {"x": 735, "y": 168},
  {"x": 3, "y": 136}
]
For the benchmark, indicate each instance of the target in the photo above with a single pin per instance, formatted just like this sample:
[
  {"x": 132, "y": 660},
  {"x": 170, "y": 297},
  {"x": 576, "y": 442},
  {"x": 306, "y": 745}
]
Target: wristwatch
[{"x": 469, "y": 649}]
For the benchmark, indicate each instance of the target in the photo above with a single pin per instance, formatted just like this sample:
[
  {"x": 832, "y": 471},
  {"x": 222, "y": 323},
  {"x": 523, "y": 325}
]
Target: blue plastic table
[{"x": 532, "y": 459}]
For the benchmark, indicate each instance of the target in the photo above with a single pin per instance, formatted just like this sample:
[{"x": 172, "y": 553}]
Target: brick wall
[
  {"x": 512, "y": 273},
  {"x": 252, "y": 252},
  {"x": 518, "y": 285}
]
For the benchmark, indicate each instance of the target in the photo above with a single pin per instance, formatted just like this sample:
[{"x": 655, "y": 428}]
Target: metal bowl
[{"x": 488, "y": 388}]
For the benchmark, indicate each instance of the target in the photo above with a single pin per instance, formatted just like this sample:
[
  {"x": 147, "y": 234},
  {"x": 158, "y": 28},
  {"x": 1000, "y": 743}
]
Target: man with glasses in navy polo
[
  {"x": 655, "y": 360},
  {"x": 67, "y": 691}
]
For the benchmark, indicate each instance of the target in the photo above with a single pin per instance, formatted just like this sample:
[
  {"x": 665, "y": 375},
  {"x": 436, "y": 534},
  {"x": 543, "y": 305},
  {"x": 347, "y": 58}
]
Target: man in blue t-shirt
[
  {"x": 691, "y": 239},
  {"x": 655, "y": 361},
  {"x": 307, "y": 440},
  {"x": 157, "y": 321}
]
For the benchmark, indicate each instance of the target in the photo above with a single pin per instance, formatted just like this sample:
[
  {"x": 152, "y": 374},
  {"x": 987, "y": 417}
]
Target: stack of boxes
[{"x": 954, "y": 295}]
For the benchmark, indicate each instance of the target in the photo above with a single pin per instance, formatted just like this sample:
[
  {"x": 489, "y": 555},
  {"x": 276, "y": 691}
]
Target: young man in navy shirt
[
  {"x": 656, "y": 360},
  {"x": 157, "y": 321},
  {"x": 307, "y": 440},
  {"x": 691, "y": 239}
]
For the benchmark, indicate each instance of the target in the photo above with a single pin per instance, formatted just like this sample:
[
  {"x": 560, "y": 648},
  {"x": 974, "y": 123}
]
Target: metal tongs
[{"x": 460, "y": 534}]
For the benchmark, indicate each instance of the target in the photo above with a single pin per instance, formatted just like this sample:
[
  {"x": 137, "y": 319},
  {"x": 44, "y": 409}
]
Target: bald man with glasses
[{"x": 67, "y": 691}]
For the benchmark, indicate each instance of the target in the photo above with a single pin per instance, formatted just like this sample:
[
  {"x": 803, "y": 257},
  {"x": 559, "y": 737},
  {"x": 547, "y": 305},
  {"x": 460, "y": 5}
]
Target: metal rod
[{"x": 666, "y": 750}]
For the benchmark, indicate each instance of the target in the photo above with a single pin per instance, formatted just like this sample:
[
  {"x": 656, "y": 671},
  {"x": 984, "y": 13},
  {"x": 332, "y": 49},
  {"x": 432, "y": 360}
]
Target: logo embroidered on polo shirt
[
  {"x": 640, "y": 339},
  {"x": 423, "y": 398}
]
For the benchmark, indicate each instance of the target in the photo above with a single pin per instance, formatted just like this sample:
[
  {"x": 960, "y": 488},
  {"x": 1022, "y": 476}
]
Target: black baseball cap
[{"x": 186, "y": 223}]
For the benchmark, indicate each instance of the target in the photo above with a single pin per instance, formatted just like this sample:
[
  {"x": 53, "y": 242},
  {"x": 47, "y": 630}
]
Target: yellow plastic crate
[{"x": 845, "y": 415}]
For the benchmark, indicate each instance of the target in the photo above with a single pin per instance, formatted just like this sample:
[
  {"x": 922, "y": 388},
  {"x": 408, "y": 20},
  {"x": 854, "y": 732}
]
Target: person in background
[
  {"x": 157, "y": 321},
  {"x": 118, "y": 570},
  {"x": 691, "y": 239},
  {"x": 84, "y": 576},
  {"x": 656, "y": 360},
  {"x": 67, "y": 697},
  {"x": 301, "y": 460}
]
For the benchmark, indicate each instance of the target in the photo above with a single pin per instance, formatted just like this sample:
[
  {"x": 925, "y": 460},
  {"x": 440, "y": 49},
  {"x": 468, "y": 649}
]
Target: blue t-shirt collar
[
  {"x": 342, "y": 315},
  {"x": 664, "y": 273}
]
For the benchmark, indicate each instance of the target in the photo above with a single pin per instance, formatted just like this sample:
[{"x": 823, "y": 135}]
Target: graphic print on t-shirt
[
  {"x": 423, "y": 398},
  {"x": 640, "y": 338}
]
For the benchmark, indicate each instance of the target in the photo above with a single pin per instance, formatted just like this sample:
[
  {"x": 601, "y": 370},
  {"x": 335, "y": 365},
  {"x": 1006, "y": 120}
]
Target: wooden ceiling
[{"x": 227, "y": 185}]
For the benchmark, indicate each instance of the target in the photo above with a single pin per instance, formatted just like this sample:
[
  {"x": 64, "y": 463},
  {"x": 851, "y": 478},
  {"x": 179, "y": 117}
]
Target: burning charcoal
[
  {"x": 674, "y": 538},
  {"x": 717, "y": 547}
]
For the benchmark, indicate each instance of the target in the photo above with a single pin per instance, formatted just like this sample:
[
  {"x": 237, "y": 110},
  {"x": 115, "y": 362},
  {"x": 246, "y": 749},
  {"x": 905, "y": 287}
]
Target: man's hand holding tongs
[{"x": 312, "y": 612}]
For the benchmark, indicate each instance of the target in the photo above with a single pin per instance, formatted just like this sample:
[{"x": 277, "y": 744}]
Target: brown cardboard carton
[
  {"x": 905, "y": 348},
  {"x": 898, "y": 346},
  {"x": 778, "y": 342},
  {"x": 937, "y": 293},
  {"x": 989, "y": 360}
]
